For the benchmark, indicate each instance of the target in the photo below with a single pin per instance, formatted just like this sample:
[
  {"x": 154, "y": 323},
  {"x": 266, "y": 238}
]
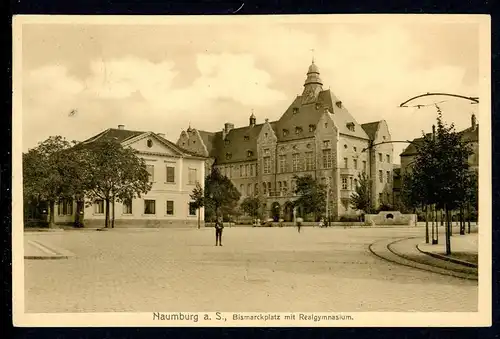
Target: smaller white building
[{"x": 174, "y": 173}]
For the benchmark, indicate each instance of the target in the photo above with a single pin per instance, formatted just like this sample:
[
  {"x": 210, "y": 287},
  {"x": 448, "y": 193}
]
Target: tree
[
  {"x": 251, "y": 206},
  {"x": 113, "y": 172},
  {"x": 198, "y": 197},
  {"x": 312, "y": 195},
  {"x": 361, "y": 199},
  {"x": 221, "y": 197},
  {"x": 439, "y": 171},
  {"x": 51, "y": 172}
]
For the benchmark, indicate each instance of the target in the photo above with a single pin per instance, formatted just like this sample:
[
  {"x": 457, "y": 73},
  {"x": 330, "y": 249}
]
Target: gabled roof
[
  {"x": 236, "y": 145},
  {"x": 122, "y": 136}
]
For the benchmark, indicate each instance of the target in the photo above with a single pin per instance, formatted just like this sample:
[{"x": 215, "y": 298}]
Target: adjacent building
[
  {"x": 173, "y": 172},
  {"x": 317, "y": 136}
]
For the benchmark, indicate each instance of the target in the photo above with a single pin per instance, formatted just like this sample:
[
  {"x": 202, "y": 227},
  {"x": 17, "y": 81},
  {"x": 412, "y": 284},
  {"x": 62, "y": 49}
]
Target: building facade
[
  {"x": 317, "y": 136},
  {"x": 173, "y": 172}
]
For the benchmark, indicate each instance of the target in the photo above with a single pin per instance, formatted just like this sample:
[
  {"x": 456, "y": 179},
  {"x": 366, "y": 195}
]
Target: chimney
[
  {"x": 473, "y": 121},
  {"x": 227, "y": 127},
  {"x": 121, "y": 126}
]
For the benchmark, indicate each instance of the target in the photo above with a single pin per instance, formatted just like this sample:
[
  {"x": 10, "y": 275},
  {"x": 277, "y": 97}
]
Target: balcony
[
  {"x": 346, "y": 194},
  {"x": 348, "y": 171}
]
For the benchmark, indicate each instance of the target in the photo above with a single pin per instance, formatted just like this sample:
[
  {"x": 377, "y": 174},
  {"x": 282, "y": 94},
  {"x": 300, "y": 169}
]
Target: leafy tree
[
  {"x": 312, "y": 195},
  {"x": 361, "y": 198},
  {"x": 113, "y": 172},
  {"x": 252, "y": 206},
  {"x": 198, "y": 197},
  {"x": 221, "y": 197},
  {"x": 439, "y": 172},
  {"x": 51, "y": 172}
]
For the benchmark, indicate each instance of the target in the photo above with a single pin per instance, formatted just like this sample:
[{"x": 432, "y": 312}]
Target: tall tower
[{"x": 313, "y": 84}]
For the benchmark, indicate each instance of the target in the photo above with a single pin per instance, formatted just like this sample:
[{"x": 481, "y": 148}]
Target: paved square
[{"x": 257, "y": 269}]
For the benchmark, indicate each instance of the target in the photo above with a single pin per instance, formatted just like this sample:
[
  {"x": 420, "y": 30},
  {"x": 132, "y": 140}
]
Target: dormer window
[
  {"x": 326, "y": 144},
  {"x": 295, "y": 110},
  {"x": 298, "y": 130},
  {"x": 285, "y": 132},
  {"x": 312, "y": 128},
  {"x": 350, "y": 126},
  {"x": 246, "y": 138},
  {"x": 228, "y": 156},
  {"x": 383, "y": 138},
  {"x": 318, "y": 106},
  {"x": 266, "y": 151},
  {"x": 227, "y": 142},
  {"x": 339, "y": 104},
  {"x": 249, "y": 153},
  {"x": 265, "y": 134}
]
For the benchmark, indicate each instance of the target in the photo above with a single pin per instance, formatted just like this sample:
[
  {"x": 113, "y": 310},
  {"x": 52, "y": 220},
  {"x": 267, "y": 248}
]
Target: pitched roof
[
  {"x": 122, "y": 135},
  {"x": 309, "y": 114},
  {"x": 469, "y": 134},
  {"x": 236, "y": 144},
  {"x": 208, "y": 140}
]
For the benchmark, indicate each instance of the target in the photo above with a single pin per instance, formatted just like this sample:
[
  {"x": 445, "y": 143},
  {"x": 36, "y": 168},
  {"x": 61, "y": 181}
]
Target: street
[{"x": 256, "y": 269}]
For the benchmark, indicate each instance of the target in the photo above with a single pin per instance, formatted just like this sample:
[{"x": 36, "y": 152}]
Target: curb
[
  {"x": 403, "y": 260},
  {"x": 445, "y": 258},
  {"x": 51, "y": 253}
]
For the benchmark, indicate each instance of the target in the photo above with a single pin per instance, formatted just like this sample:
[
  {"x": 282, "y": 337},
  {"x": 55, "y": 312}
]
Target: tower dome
[{"x": 313, "y": 76}]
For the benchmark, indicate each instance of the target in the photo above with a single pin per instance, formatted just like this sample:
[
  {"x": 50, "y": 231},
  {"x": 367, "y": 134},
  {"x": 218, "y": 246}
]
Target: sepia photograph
[{"x": 306, "y": 170}]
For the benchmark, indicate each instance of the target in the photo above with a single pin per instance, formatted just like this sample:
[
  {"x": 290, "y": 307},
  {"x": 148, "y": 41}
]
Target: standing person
[
  {"x": 299, "y": 223},
  {"x": 219, "y": 226}
]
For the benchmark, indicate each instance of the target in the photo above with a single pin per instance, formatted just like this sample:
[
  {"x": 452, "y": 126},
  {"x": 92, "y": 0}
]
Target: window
[
  {"x": 327, "y": 158},
  {"x": 344, "y": 183},
  {"x": 249, "y": 154},
  {"x": 228, "y": 156},
  {"x": 149, "y": 207},
  {"x": 350, "y": 126},
  {"x": 267, "y": 152},
  {"x": 192, "y": 208},
  {"x": 252, "y": 171},
  {"x": 285, "y": 186},
  {"x": 170, "y": 174},
  {"x": 293, "y": 185},
  {"x": 127, "y": 207},
  {"x": 150, "y": 143},
  {"x": 241, "y": 170},
  {"x": 388, "y": 158},
  {"x": 285, "y": 132},
  {"x": 192, "y": 176},
  {"x": 355, "y": 163},
  {"x": 151, "y": 172},
  {"x": 247, "y": 170},
  {"x": 282, "y": 163},
  {"x": 298, "y": 130},
  {"x": 388, "y": 173},
  {"x": 326, "y": 125},
  {"x": 249, "y": 189},
  {"x": 380, "y": 198},
  {"x": 364, "y": 166},
  {"x": 242, "y": 189},
  {"x": 269, "y": 187},
  {"x": 65, "y": 207},
  {"x": 256, "y": 189},
  {"x": 350, "y": 181},
  {"x": 312, "y": 128},
  {"x": 309, "y": 161},
  {"x": 295, "y": 110},
  {"x": 267, "y": 165},
  {"x": 170, "y": 207},
  {"x": 246, "y": 138},
  {"x": 339, "y": 104},
  {"x": 354, "y": 149},
  {"x": 264, "y": 188},
  {"x": 380, "y": 157},
  {"x": 318, "y": 106},
  {"x": 295, "y": 162},
  {"x": 99, "y": 206},
  {"x": 380, "y": 176},
  {"x": 346, "y": 163},
  {"x": 280, "y": 185},
  {"x": 227, "y": 142},
  {"x": 326, "y": 144},
  {"x": 355, "y": 183}
]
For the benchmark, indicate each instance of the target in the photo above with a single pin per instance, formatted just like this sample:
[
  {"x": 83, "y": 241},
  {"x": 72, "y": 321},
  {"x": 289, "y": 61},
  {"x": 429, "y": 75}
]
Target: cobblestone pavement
[{"x": 257, "y": 269}]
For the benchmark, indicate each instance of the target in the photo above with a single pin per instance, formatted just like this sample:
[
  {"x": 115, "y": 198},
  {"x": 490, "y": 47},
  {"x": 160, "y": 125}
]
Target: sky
[{"x": 165, "y": 77}]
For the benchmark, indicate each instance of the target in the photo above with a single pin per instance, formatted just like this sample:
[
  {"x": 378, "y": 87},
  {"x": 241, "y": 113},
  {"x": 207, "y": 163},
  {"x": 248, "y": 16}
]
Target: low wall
[
  {"x": 391, "y": 218},
  {"x": 144, "y": 223}
]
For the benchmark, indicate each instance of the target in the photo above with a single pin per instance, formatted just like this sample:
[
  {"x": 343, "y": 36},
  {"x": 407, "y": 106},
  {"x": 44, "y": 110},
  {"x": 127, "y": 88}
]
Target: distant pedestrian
[
  {"x": 321, "y": 223},
  {"x": 299, "y": 223},
  {"x": 219, "y": 226}
]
